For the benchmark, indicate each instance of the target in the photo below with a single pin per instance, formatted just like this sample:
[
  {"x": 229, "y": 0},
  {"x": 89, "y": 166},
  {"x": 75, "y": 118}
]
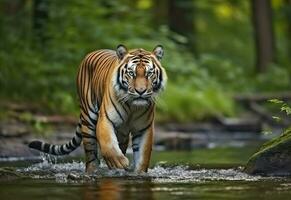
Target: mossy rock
[{"x": 273, "y": 158}]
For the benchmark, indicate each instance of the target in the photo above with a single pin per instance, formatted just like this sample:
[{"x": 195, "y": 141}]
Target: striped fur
[{"x": 117, "y": 91}]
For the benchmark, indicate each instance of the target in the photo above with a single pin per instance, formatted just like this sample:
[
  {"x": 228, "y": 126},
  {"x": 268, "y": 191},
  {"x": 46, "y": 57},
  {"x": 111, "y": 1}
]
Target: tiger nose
[{"x": 141, "y": 90}]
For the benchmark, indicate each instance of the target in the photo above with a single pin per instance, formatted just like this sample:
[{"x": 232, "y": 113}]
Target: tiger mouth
[{"x": 141, "y": 98}]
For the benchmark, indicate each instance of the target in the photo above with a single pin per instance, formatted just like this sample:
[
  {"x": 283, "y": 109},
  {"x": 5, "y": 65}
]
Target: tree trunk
[
  {"x": 181, "y": 21},
  {"x": 288, "y": 24},
  {"x": 160, "y": 10},
  {"x": 12, "y": 7},
  {"x": 263, "y": 34},
  {"x": 40, "y": 18}
]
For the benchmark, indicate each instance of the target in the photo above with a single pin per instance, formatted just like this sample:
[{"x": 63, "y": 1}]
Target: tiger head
[{"x": 140, "y": 75}]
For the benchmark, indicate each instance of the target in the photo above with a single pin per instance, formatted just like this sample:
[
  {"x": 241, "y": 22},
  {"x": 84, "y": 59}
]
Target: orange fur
[{"x": 96, "y": 86}]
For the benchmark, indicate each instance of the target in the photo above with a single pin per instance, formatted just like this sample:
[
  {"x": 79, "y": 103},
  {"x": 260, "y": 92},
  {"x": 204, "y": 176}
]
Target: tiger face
[{"x": 140, "y": 75}]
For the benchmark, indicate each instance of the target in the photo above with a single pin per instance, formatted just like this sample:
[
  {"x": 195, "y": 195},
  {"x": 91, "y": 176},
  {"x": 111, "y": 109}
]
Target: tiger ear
[
  {"x": 121, "y": 51},
  {"x": 159, "y": 52}
]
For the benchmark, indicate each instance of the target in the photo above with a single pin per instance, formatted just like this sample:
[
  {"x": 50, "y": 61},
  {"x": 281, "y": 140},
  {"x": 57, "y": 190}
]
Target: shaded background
[
  {"x": 224, "y": 59},
  {"x": 214, "y": 49}
]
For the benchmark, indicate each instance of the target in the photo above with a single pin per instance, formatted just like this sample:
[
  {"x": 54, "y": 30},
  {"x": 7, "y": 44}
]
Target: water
[
  {"x": 74, "y": 172},
  {"x": 53, "y": 180},
  {"x": 119, "y": 188}
]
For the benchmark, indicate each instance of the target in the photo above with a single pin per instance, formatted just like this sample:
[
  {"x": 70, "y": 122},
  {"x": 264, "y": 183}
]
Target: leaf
[
  {"x": 286, "y": 108},
  {"x": 276, "y": 118},
  {"x": 276, "y": 101},
  {"x": 267, "y": 132}
]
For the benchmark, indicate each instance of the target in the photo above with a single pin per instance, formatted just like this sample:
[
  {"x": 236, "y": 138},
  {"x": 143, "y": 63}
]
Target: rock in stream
[{"x": 273, "y": 158}]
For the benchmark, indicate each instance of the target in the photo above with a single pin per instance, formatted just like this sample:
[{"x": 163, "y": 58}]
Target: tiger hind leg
[{"x": 90, "y": 147}]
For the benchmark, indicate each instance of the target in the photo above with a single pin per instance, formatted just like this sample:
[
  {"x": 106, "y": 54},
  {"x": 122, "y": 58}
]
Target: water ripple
[{"x": 75, "y": 171}]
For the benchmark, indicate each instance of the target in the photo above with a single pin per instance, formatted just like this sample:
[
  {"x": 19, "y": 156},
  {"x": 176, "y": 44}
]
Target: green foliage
[
  {"x": 199, "y": 88},
  {"x": 188, "y": 102},
  {"x": 284, "y": 107}
]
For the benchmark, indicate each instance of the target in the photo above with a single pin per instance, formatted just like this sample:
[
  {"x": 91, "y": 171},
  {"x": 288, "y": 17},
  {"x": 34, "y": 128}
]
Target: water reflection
[{"x": 116, "y": 189}]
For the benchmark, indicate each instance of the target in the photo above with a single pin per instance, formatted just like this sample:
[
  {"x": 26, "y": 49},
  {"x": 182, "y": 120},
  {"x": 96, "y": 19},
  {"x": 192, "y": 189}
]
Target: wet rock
[
  {"x": 7, "y": 174},
  {"x": 273, "y": 159},
  {"x": 13, "y": 129},
  {"x": 14, "y": 148},
  {"x": 73, "y": 176}
]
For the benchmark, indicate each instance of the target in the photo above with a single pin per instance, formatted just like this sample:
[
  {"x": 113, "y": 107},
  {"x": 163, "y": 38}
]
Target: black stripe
[
  {"x": 90, "y": 150},
  {"x": 135, "y": 149},
  {"x": 87, "y": 162},
  {"x": 91, "y": 58},
  {"x": 118, "y": 78},
  {"x": 74, "y": 142},
  {"x": 92, "y": 109},
  {"x": 89, "y": 136},
  {"x": 88, "y": 77},
  {"x": 123, "y": 151},
  {"x": 79, "y": 124},
  {"x": 83, "y": 72},
  {"x": 151, "y": 111},
  {"x": 125, "y": 109},
  {"x": 95, "y": 62},
  {"x": 83, "y": 116},
  {"x": 136, "y": 136},
  {"x": 69, "y": 146},
  {"x": 46, "y": 148},
  {"x": 63, "y": 150},
  {"x": 54, "y": 150},
  {"x": 142, "y": 130},
  {"x": 106, "y": 114},
  {"x": 35, "y": 145},
  {"x": 94, "y": 121},
  {"x": 127, "y": 104},
  {"x": 88, "y": 125},
  {"x": 79, "y": 135},
  {"x": 118, "y": 112},
  {"x": 157, "y": 87},
  {"x": 143, "y": 113}
]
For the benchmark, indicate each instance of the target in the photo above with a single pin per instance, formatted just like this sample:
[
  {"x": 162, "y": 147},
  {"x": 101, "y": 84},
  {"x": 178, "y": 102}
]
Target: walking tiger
[{"x": 117, "y": 92}]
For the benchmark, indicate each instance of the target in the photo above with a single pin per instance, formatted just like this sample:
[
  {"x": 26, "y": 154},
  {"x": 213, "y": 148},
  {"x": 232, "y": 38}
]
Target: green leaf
[
  {"x": 286, "y": 108},
  {"x": 276, "y": 101},
  {"x": 277, "y": 119}
]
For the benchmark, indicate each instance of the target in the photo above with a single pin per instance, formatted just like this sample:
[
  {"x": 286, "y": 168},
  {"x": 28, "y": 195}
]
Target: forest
[
  {"x": 214, "y": 50},
  {"x": 222, "y": 124}
]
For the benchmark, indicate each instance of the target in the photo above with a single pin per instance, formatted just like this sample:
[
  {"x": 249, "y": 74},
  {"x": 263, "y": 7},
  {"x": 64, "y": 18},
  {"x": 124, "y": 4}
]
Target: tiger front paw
[{"x": 115, "y": 159}]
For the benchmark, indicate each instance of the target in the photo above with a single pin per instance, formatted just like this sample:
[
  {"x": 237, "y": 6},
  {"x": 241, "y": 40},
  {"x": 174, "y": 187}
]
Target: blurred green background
[{"x": 214, "y": 49}]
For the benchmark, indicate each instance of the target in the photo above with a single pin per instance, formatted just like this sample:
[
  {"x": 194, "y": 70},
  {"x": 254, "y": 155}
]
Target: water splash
[
  {"x": 75, "y": 171},
  {"x": 184, "y": 174}
]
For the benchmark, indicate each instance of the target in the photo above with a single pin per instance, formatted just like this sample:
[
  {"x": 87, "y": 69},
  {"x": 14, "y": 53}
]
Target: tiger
[{"x": 117, "y": 93}]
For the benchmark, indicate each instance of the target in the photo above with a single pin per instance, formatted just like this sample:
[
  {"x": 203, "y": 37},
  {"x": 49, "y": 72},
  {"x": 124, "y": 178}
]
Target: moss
[
  {"x": 286, "y": 135},
  {"x": 273, "y": 158}
]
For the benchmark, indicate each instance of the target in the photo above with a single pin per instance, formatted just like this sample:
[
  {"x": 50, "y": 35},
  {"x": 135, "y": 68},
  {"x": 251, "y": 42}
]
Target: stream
[
  {"x": 211, "y": 169},
  {"x": 54, "y": 179}
]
